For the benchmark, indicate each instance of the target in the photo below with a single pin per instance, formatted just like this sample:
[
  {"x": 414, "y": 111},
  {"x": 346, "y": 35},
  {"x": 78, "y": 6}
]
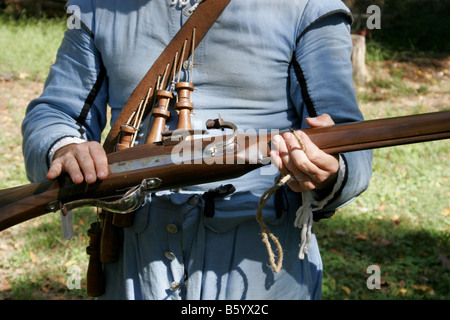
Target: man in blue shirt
[{"x": 264, "y": 64}]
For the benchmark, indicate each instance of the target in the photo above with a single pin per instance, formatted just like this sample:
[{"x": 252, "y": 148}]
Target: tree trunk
[{"x": 360, "y": 73}]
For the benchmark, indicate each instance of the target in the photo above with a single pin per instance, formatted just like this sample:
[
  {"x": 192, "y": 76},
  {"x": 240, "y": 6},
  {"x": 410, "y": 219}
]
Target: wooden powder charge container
[
  {"x": 184, "y": 104},
  {"x": 127, "y": 133},
  {"x": 161, "y": 115}
]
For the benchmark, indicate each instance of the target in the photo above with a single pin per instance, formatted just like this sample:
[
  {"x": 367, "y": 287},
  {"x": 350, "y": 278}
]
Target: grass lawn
[{"x": 400, "y": 226}]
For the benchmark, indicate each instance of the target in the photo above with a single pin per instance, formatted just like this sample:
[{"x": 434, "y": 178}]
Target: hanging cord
[
  {"x": 303, "y": 219},
  {"x": 265, "y": 232}
]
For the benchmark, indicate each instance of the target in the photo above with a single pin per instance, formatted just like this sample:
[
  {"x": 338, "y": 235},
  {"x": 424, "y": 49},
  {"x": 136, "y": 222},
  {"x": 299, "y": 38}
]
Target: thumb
[{"x": 324, "y": 120}]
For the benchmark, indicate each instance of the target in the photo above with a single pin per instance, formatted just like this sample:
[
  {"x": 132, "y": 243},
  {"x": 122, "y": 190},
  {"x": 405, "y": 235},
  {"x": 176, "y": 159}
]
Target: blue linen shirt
[{"x": 263, "y": 65}]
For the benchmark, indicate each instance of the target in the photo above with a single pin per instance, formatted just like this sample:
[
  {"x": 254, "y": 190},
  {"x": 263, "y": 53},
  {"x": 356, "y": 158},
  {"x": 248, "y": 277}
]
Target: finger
[
  {"x": 296, "y": 160},
  {"x": 282, "y": 159},
  {"x": 98, "y": 155},
  {"x": 298, "y": 185},
  {"x": 313, "y": 162},
  {"x": 86, "y": 163},
  {"x": 298, "y": 164},
  {"x": 325, "y": 167},
  {"x": 71, "y": 166},
  {"x": 55, "y": 170},
  {"x": 316, "y": 156},
  {"x": 280, "y": 156},
  {"x": 275, "y": 154}
]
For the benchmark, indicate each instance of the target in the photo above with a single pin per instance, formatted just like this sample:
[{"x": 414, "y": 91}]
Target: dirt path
[{"x": 405, "y": 85}]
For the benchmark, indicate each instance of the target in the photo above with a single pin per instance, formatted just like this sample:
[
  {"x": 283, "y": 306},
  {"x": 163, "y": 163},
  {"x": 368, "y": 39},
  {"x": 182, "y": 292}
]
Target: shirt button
[
  {"x": 171, "y": 228},
  {"x": 175, "y": 286},
  {"x": 169, "y": 255}
]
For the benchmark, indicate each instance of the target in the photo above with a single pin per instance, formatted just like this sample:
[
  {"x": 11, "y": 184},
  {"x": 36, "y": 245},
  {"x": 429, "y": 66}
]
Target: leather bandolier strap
[
  {"x": 202, "y": 19},
  {"x": 107, "y": 251}
]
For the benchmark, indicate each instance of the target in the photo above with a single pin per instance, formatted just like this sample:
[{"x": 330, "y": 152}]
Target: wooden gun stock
[{"x": 130, "y": 167}]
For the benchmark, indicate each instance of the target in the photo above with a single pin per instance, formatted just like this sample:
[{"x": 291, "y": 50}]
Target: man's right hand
[{"x": 86, "y": 161}]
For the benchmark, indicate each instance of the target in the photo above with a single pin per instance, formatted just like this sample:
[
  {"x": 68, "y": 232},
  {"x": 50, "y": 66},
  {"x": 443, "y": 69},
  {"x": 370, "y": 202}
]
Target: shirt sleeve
[
  {"x": 73, "y": 103},
  {"x": 323, "y": 73}
]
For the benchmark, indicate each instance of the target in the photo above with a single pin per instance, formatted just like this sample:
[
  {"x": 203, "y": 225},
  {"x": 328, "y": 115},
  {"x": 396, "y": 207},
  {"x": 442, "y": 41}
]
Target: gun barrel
[{"x": 197, "y": 161}]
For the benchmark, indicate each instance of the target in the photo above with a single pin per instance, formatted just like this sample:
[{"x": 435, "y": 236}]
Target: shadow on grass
[{"x": 413, "y": 262}]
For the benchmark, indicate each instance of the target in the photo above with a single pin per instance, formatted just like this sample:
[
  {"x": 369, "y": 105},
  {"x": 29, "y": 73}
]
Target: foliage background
[{"x": 407, "y": 24}]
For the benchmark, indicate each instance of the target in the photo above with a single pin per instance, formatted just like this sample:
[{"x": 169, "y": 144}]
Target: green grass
[
  {"x": 34, "y": 256},
  {"x": 28, "y": 46},
  {"x": 401, "y": 223},
  {"x": 40, "y": 264},
  {"x": 13, "y": 172},
  {"x": 375, "y": 51}
]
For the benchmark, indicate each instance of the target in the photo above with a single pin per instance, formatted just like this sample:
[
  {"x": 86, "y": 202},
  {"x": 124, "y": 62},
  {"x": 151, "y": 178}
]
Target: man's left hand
[{"x": 310, "y": 168}]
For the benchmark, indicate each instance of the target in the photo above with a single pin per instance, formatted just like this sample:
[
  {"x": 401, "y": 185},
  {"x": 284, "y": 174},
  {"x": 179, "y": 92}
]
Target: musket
[{"x": 177, "y": 162}]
